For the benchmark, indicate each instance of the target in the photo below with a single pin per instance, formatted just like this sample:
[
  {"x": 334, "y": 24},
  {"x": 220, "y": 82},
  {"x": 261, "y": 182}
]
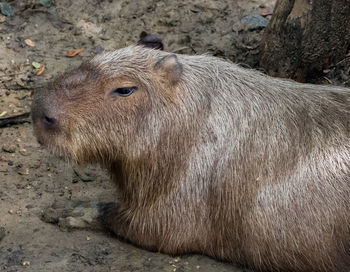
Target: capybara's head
[{"x": 112, "y": 102}]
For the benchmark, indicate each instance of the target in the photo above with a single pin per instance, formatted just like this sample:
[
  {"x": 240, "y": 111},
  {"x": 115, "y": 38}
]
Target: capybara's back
[{"x": 209, "y": 157}]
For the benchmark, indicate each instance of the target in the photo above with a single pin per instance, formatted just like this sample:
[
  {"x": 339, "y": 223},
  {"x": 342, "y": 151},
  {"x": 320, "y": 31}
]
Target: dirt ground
[{"x": 31, "y": 179}]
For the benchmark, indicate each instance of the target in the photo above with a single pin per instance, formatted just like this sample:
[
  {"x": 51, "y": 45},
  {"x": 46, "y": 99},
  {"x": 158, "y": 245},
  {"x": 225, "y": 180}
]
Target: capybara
[{"x": 209, "y": 157}]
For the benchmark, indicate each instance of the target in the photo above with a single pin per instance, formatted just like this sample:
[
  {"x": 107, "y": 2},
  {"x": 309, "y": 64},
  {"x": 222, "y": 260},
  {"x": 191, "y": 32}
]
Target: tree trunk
[{"x": 306, "y": 36}]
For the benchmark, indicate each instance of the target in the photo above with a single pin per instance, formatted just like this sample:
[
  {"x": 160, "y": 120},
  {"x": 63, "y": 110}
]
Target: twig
[
  {"x": 180, "y": 49},
  {"x": 18, "y": 87},
  {"x": 329, "y": 81},
  {"x": 339, "y": 62},
  {"x": 13, "y": 74},
  {"x": 15, "y": 120}
]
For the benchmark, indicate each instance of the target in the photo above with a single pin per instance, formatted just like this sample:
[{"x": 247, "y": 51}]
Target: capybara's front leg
[
  {"x": 94, "y": 215},
  {"x": 122, "y": 222}
]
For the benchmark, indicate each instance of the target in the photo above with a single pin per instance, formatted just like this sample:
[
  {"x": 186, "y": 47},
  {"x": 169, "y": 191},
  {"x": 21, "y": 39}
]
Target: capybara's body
[{"x": 209, "y": 157}]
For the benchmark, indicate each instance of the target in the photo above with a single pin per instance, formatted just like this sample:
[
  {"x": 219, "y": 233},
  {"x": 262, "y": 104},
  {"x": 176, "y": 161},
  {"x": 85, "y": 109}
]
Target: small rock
[
  {"x": 9, "y": 148},
  {"x": 77, "y": 32},
  {"x": 24, "y": 152},
  {"x": 26, "y": 263},
  {"x": 254, "y": 21},
  {"x": 22, "y": 171},
  {"x": 6, "y": 9},
  {"x": 50, "y": 215},
  {"x": 151, "y": 41},
  {"x": 45, "y": 3},
  {"x": 2, "y": 233},
  {"x": 344, "y": 76},
  {"x": 2, "y": 18},
  {"x": 84, "y": 175},
  {"x": 52, "y": 11},
  {"x": 106, "y": 17},
  {"x": 98, "y": 49}
]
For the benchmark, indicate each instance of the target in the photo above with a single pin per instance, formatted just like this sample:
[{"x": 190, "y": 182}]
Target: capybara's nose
[
  {"x": 49, "y": 122},
  {"x": 43, "y": 115}
]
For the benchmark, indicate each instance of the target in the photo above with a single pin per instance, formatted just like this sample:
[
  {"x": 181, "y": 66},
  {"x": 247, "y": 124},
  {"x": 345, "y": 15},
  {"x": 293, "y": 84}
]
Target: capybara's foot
[{"x": 76, "y": 214}]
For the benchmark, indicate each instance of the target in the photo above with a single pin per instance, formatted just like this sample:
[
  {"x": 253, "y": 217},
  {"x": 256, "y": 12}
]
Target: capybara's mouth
[
  {"x": 53, "y": 148},
  {"x": 57, "y": 151}
]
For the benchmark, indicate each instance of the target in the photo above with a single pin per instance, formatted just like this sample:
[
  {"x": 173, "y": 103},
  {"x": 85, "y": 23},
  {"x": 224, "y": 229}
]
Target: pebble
[
  {"x": 24, "y": 152},
  {"x": 50, "y": 215},
  {"x": 344, "y": 76},
  {"x": 9, "y": 148},
  {"x": 84, "y": 175},
  {"x": 26, "y": 263},
  {"x": 254, "y": 21},
  {"x": 45, "y": 3},
  {"x": 6, "y": 9},
  {"x": 22, "y": 171}
]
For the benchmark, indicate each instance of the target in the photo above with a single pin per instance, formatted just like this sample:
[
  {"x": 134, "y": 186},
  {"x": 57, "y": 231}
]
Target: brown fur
[{"x": 211, "y": 158}]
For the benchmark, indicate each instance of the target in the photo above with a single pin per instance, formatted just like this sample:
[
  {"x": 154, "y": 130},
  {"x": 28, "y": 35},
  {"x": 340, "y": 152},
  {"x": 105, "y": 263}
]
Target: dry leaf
[
  {"x": 3, "y": 113},
  {"x": 36, "y": 65},
  {"x": 74, "y": 52},
  {"x": 41, "y": 70},
  {"x": 29, "y": 42}
]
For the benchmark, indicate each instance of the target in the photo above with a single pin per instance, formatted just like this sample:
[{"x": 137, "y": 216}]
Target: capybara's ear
[{"x": 170, "y": 68}]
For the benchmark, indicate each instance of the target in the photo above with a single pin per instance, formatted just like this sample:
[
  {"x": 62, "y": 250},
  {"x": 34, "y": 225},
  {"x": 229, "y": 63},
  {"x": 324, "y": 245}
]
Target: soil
[{"x": 31, "y": 179}]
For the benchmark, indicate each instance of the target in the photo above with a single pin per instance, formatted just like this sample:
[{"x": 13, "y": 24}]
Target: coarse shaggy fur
[{"x": 211, "y": 158}]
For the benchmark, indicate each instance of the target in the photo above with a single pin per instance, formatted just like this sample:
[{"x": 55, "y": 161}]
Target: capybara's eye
[{"x": 125, "y": 91}]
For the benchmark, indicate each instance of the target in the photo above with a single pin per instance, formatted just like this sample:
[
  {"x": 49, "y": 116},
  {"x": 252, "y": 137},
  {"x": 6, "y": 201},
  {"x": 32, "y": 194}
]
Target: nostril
[{"x": 50, "y": 122}]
